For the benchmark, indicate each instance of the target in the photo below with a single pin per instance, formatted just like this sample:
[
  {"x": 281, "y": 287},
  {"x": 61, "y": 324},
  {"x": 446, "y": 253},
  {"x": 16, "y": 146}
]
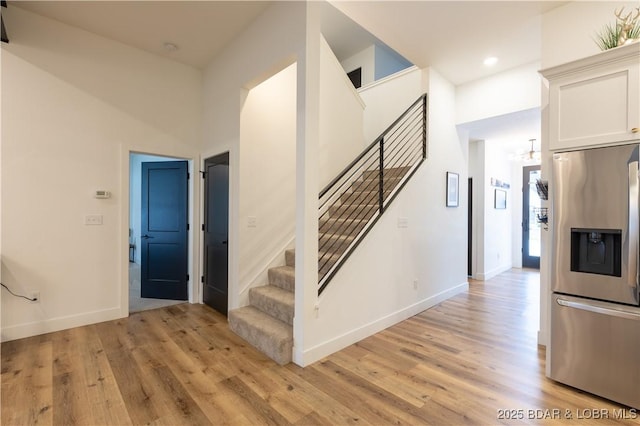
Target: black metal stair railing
[{"x": 352, "y": 202}]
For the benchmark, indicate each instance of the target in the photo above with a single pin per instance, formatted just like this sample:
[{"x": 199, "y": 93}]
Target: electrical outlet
[
  {"x": 252, "y": 221},
  {"x": 35, "y": 295}
]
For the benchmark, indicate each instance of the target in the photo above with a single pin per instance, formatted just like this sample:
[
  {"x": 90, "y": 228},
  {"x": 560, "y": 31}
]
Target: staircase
[
  {"x": 349, "y": 207},
  {"x": 267, "y": 323}
]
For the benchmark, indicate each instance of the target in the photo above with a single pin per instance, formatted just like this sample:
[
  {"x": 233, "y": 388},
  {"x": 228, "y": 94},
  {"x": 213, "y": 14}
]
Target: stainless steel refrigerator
[{"x": 595, "y": 308}]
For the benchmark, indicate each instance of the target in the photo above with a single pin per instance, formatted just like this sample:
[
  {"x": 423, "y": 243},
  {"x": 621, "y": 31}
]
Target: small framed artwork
[
  {"x": 453, "y": 195},
  {"x": 500, "y": 201}
]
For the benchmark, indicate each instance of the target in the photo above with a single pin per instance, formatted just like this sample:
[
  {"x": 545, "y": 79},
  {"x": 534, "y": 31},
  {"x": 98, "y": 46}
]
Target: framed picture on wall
[
  {"x": 453, "y": 193},
  {"x": 500, "y": 201}
]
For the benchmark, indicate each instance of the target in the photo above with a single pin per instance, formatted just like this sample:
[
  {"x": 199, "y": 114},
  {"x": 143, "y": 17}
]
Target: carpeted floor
[{"x": 137, "y": 303}]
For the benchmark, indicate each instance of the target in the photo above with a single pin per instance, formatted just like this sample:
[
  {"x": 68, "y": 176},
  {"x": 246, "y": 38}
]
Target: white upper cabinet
[{"x": 595, "y": 101}]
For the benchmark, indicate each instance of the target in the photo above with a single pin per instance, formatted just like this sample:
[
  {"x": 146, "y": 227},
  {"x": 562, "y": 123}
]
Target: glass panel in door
[{"x": 531, "y": 227}]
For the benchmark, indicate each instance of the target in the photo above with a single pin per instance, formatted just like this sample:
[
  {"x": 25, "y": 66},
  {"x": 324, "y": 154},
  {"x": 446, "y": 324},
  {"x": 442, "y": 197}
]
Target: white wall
[
  {"x": 492, "y": 228},
  {"x": 387, "y": 99},
  {"x": 275, "y": 40},
  {"x": 568, "y": 31},
  {"x": 497, "y": 229},
  {"x": 341, "y": 118},
  {"x": 431, "y": 250},
  {"x": 267, "y": 175},
  {"x": 513, "y": 90},
  {"x": 364, "y": 59},
  {"x": 75, "y": 105}
]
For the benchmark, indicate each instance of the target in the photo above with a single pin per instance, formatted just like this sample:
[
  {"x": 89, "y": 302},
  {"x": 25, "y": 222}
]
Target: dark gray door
[
  {"x": 470, "y": 228},
  {"x": 164, "y": 230},
  {"x": 531, "y": 242},
  {"x": 216, "y": 232}
]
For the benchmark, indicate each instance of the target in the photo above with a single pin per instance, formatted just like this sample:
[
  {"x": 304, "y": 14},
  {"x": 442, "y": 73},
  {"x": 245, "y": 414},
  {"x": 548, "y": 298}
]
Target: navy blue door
[
  {"x": 164, "y": 230},
  {"x": 216, "y": 232}
]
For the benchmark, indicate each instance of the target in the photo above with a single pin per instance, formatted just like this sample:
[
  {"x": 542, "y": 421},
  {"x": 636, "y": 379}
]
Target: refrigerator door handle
[
  {"x": 615, "y": 312},
  {"x": 634, "y": 224}
]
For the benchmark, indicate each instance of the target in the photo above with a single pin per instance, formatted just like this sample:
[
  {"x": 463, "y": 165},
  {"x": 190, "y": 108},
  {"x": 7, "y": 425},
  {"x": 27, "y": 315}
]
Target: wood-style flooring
[{"x": 472, "y": 359}]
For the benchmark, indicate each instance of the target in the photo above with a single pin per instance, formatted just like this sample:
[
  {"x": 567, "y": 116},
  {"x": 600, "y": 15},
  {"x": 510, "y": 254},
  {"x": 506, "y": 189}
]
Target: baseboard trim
[
  {"x": 311, "y": 355},
  {"x": 35, "y": 328},
  {"x": 542, "y": 338},
  {"x": 492, "y": 273}
]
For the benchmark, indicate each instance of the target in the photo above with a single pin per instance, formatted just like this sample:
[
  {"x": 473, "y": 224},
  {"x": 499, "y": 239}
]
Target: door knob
[
  {"x": 635, "y": 130},
  {"x": 146, "y": 237},
  {"x": 224, "y": 242}
]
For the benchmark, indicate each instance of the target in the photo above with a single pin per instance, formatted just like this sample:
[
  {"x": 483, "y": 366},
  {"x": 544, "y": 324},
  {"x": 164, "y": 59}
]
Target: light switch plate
[
  {"x": 93, "y": 219},
  {"x": 403, "y": 222}
]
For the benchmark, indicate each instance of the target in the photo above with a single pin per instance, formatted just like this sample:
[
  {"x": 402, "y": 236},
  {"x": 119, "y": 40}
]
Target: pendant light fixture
[{"x": 531, "y": 156}]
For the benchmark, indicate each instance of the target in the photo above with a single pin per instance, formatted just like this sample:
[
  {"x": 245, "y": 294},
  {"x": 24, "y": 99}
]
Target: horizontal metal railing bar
[
  {"x": 412, "y": 131},
  {"x": 400, "y": 157},
  {"x": 330, "y": 244},
  {"x": 409, "y": 139},
  {"x": 325, "y": 277},
  {"x": 371, "y": 209},
  {"x": 399, "y": 188},
  {"x": 328, "y": 211},
  {"x": 373, "y": 144},
  {"x": 411, "y": 116},
  {"x": 405, "y": 156},
  {"x": 365, "y": 212},
  {"x": 373, "y": 155},
  {"x": 406, "y": 127},
  {"x": 355, "y": 200},
  {"x": 417, "y": 122},
  {"x": 356, "y": 184},
  {"x": 359, "y": 212}
]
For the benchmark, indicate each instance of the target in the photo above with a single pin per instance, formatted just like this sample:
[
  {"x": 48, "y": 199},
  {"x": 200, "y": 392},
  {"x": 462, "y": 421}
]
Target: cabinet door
[{"x": 595, "y": 108}]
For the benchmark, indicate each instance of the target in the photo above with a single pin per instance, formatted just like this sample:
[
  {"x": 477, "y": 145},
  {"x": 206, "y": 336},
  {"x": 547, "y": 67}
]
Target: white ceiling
[
  {"x": 199, "y": 28},
  {"x": 511, "y": 132},
  {"x": 451, "y": 36},
  {"x": 455, "y": 37}
]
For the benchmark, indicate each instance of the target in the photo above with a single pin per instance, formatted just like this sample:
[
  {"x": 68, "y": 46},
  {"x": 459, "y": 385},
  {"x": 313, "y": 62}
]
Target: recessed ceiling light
[
  {"x": 170, "y": 47},
  {"x": 490, "y": 61}
]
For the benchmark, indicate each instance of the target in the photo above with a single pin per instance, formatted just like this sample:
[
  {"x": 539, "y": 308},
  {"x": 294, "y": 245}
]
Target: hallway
[{"x": 473, "y": 359}]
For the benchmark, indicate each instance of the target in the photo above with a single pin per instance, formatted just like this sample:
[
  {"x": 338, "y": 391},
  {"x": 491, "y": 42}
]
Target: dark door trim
[
  {"x": 215, "y": 228},
  {"x": 470, "y": 229},
  {"x": 165, "y": 225},
  {"x": 125, "y": 212},
  {"x": 527, "y": 260}
]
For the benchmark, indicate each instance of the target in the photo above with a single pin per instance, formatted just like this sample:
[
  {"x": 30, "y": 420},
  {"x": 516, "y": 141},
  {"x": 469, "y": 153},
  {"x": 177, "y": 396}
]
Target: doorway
[
  {"x": 215, "y": 292},
  {"x": 531, "y": 228},
  {"x": 470, "y": 228},
  {"x": 139, "y": 272}
]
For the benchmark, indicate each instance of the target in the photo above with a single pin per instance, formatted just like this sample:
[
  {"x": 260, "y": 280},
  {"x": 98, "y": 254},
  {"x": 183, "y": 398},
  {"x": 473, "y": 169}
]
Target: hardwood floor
[{"x": 473, "y": 359}]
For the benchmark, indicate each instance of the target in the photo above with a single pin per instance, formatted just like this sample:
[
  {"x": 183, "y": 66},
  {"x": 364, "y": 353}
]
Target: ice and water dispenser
[{"x": 596, "y": 251}]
